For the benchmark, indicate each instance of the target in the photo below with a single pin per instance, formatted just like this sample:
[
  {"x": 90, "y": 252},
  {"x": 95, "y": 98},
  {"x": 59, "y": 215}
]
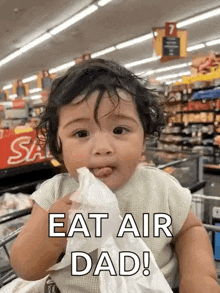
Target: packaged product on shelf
[
  {"x": 191, "y": 117},
  {"x": 185, "y": 107},
  {"x": 191, "y": 105},
  {"x": 217, "y": 129},
  {"x": 203, "y": 150},
  {"x": 185, "y": 118},
  {"x": 196, "y": 117},
  {"x": 217, "y": 140},
  {"x": 217, "y": 104},
  {"x": 203, "y": 117},
  {"x": 210, "y": 117},
  {"x": 217, "y": 118}
]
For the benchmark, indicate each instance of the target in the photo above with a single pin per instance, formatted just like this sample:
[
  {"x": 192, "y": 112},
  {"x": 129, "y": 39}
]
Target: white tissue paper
[{"x": 95, "y": 197}]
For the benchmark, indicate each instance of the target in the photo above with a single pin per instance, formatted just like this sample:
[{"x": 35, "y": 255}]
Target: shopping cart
[
  {"x": 6, "y": 273},
  {"x": 198, "y": 203}
]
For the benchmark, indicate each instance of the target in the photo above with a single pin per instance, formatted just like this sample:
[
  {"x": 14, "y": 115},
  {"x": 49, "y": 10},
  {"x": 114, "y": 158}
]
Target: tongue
[{"x": 102, "y": 172}]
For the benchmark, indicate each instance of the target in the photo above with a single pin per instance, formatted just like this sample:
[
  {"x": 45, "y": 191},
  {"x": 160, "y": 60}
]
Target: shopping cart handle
[
  {"x": 15, "y": 215},
  {"x": 212, "y": 228},
  {"x": 197, "y": 186}
]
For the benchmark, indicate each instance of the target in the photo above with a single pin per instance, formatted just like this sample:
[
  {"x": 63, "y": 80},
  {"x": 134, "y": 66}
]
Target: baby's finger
[
  {"x": 66, "y": 199},
  {"x": 75, "y": 199}
]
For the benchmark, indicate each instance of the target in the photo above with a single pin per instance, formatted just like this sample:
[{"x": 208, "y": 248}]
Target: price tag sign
[{"x": 171, "y": 46}]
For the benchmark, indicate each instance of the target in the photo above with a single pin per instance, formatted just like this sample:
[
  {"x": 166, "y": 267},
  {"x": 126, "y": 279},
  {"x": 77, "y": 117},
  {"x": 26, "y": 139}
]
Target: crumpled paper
[{"x": 94, "y": 196}]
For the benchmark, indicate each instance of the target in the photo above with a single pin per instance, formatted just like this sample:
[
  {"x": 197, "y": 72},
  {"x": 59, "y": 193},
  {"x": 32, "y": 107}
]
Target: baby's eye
[
  {"x": 119, "y": 130},
  {"x": 81, "y": 133}
]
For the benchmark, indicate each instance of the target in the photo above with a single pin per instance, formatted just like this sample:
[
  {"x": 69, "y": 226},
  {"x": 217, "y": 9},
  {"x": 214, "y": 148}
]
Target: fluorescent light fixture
[
  {"x": 140, "y": 73},
  {"x": 211, "y": 43},
  {"x": 10, "y": 57},
  {"x": 135, "y": 41},
  {"x": 35, "y": 90},
  {"x": 103, "y": 52},
  {"x": 195, "y": 47},
  {"x": 36, "y": 42},
  {"x": 28, "y": 79},
  {"x": 149, "y": 72},
  {"x": 172, "y": 67},
  {"x": 7, "y": 104},
  {"x": 173, "y": 75},
  {"x": 103, "y": 2},
  {"x": 199, "y": 17},
  {"x": 62, "y": 67},
  {"x": 35, "y": 97},
  {"x": 143, "y": 61},
  {"x": 12, "y": 97},
  {"x": 7, "y": 87},
  {"x": 73, "y": 19}
]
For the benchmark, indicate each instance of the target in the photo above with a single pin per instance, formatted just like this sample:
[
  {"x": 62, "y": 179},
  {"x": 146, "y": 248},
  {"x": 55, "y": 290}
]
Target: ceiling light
[
  {"x": 7, "y": 104},
  {"x": 74, "y": 19},
  {"x": 7, "y": 87},
  {"x": 35, "y": 97},
  {"x": 36, "y": 42},
  {"x": 28, "y": 79},
  {"x": 140, "y": 73},
  {"x": 172, "y": 67},
  {"x": 211, "y": 43},
  {"x": 103, "y": 2},
  {"x": 12, "y": 97},
  {"x": 149, "y": 72},
  {"x": 173, "y": 75},
  {"x": 103, "y": 52},
  {"x": 62, "y": 67},
  {"x": 195, "y": 47},
  {"x": 135, "y": 41},
  {"x": 35, "y": 90},
  {"x": 199, "y": 17},
  {"x": 10, "y": 57},
  {"x": 143, "y": 61}
]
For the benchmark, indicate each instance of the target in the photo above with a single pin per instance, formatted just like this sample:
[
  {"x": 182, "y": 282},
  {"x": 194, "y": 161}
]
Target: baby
[{"x": 99, "y": 116}]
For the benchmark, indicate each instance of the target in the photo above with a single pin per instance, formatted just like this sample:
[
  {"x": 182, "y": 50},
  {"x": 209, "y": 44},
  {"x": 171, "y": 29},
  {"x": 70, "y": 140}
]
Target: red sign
[
  {"x": 18, "y": 103},
  {"x": 21, "y": 149},
  {"x": 170, "y": 29}
]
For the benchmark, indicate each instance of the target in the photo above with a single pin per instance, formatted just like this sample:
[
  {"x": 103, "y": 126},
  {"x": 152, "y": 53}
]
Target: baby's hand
[{"x": 62, "y": 205}]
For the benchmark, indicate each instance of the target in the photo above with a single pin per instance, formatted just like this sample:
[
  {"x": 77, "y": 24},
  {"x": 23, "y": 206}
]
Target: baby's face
[{"x": 118, "y": 143}]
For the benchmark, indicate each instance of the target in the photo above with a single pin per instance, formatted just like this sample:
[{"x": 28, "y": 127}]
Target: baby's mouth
[{"x": 102, "y": 172}]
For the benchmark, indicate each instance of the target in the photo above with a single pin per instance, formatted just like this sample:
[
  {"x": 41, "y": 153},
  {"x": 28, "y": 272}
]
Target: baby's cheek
[{"x": 78, "y": 156}]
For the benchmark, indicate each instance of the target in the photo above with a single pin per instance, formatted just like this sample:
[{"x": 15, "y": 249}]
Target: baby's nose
[{"x": 103, "y": 144}]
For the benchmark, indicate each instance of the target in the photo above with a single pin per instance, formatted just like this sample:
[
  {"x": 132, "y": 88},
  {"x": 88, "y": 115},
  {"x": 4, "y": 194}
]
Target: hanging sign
[
  {"x": 45, "y": 79},
  {"x": 169, "y": 42},
  {"x": 4, "y": 95},
  {"x": 20, "y": 89}
]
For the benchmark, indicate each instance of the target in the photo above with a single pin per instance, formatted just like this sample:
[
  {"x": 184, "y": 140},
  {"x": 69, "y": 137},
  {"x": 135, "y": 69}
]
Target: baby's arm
[
  {"x": 195, "y": 255},
  {"x": 33, "y": 251}
]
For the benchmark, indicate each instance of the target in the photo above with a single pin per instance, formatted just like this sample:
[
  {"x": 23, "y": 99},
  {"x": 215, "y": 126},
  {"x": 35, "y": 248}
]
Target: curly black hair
[{"x": 106, "y": 77}]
